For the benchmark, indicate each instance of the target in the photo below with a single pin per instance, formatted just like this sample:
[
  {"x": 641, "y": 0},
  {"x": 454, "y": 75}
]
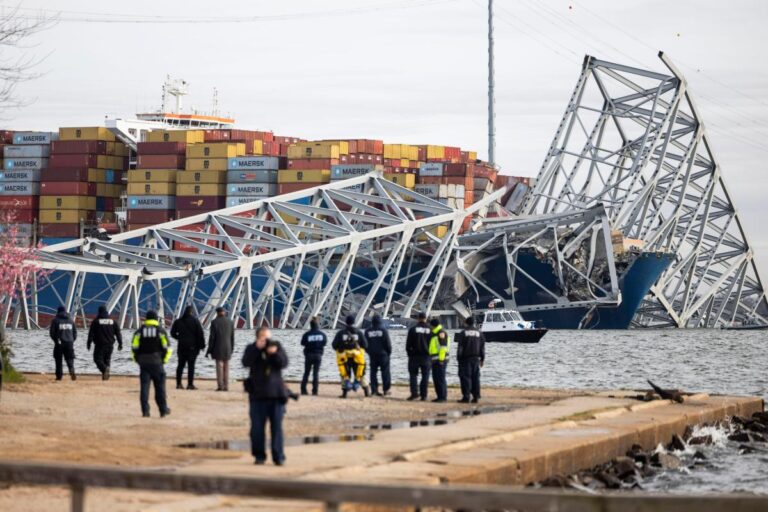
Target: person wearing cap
[
  {"x": 470, "y": 352},
  {"x": 151, "y": 350},
  {"x": 188, "y": 331},
  {"x": 417, "y": 349},
  {"x": 313, "y": 341},
  {"x": 221, "y": 346},
  {"x": 103, "y": 334},
  {"x": 379, "y": 349},
  {"x": 349, "y": 344},
  {"x": 63, "y": 333},
  {"x": 439, "y": 347}
]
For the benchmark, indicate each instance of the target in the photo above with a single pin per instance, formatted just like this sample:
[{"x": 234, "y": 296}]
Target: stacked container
[
  {"x": 309, "y": 164},
  {"x": 202, "y": 187},
  {"x": 83, "y": 181},
  {"x": 251, "y": 178}
]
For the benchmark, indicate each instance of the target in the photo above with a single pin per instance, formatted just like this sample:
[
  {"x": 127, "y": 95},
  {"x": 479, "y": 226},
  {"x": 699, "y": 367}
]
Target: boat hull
[{"x": 515, "y": 336}]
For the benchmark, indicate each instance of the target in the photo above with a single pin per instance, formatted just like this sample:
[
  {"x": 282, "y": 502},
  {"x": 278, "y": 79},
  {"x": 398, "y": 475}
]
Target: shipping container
[
  {"x": 252, "y": 189},
  {"x": 161, "y": 148},
  {"x": 207, "y": 203},
  {"x": 343, "y": 145},
  {"x": 151, "y": 203},
  {"x": 89, "y": 133},
  {"x": 150, "y": 189},
  {"x": 88, "y": 160},
  {"x": 22, "y": 175},
  {"x": 397, "y": 151},
  {"x": 152, "y": 175},
  {"x": 215, "y": 177},
  {"x": 253, "y": 163},
  {"x": 30, "y": 151},
  {"x": 188, "y": 189},
  {"x": 65, "y": 216},
  {"x": 402, "y": 179},
  {"x": 22, "y": 216},
  {"x": 60, "y": 230},
  {"x": 342, "y": 172},
  {"x": 70, "y": 174},
  {"x": 62, "y": 188},
  {"x": 466, "y": 182},
  {"x": 67, "y": 203},
  {"x": 25, "y": 163},
  {"x": 109, "y": 190},
  {"x": 19, "y": 202},
  {"x": 160, "y": 161},
  {"x": 312, "y": 163},
  {"x": 308, "y": 175},
  {"x": 20, "y": 188},
  {"x": 186, "y": 136},
  {"x": 150, "y": 216},
  {"x": 206, "y": 164},
  {"x": 238, "y": 200},
  {"x": 285, "y": 188},
  {"x": 431, "y": 169},
  {"x": 34, "y": 137},
  {"x": 74, "y": 147},
  {"x": 216, "y": 150},
  {"x": 459, "y": 169},
  {"x": 268, "y": 176},
  {"x": 313, "y": 150}
]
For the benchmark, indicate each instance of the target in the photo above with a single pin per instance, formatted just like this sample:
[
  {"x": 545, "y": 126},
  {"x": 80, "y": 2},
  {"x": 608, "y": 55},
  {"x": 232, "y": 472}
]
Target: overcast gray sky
[{"x": 408, "y": 71}]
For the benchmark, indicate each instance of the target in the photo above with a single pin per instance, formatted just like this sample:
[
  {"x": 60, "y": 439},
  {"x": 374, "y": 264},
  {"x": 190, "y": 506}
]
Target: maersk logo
[
  {"x": 11, "y": 164},
  {"x": 16, "y": 188},
  {"x": 147, "y": 202},
  {"x": 26, "y": 139},
  {"x": 251, "y": 163}
]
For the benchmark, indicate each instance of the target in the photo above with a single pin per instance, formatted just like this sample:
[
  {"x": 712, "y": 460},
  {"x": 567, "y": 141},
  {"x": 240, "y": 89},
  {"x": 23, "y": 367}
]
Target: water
[{"x": 696, "y": 360}]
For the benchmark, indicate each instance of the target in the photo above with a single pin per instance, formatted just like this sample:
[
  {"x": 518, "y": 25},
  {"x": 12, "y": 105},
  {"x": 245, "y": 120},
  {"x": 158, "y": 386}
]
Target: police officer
[
  {"x": 379, "y": 349},
  {"x": 103, "y": 334},
  {"x": 63, "y": 333},
  {"x": 313, "y": 341},
  {"x": 439, "y": 345},
  {"x": 151, "y": 350},
  {"x": 417, "y": 348},
  {"x": 188, "y": 331},
  {"x": 470, "y": 352},
  {"x": 349, "y": 344}
]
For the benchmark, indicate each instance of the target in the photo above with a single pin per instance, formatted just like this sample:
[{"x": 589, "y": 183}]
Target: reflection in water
[{"x": 244, "y": 445}]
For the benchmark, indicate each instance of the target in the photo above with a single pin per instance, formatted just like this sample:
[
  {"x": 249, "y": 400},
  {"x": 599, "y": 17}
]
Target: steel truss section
[
  {"x": 347, "y": 247},
  {"x": 633, "y": 141}
]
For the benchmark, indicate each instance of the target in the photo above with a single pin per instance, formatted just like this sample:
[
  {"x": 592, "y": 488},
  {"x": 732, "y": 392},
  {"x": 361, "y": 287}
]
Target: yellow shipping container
[
  {"x": 436, "y": 152},
  {"x": 258, "y": 147},
  {"x": 190, "y": 189},
  {"x": 314, "y": 150},
  {"x": 404, "y": 180},
  {"x": 62, "y": 216},
  {"x": 201, "y": 177},
  {"x": 187, "y": 136},
  {"x": 108, "y": 190},
  {"x": 207, "y": 164},
  {"x": 86, "y": 133},
  {"x": 304, "y": 176},
  {"x": 151, "y": 189},
  {"x": 216, "y": 150},
  {"x": 67, "y": 203},
  {"x": 343, "y": 145},
  {"x": 120, "y": 149},
  {"x": 97, "y": 175},
  {"x": 110, "y": 162},
  {"x": 438, "y": 231},
  {"x": 154, "y": 175},
  {"x": 472, "y": 155},
  {"x": 396, "y": 151}
]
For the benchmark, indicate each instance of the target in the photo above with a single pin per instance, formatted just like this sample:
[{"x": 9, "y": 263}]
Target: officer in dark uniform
[
  {"x": 417, "y": 348},
  {"x": 379, "y": 349},
  {"x": 470, "y": 353},
  {"x": 63, "y": 333},
  {"x": 151, "y": 350},
  {"x": 313, "y": 341},
  {"x": 103, "y": 334}
]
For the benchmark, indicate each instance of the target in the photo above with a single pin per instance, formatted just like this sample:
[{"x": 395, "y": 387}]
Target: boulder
[
  {"x": 700, "y": 440},
  {"x": 740, "y": 437},
  {"x": 665, "y": 460},
  {"x": 698, "y": 455},
  {"x": 677, "y": 444},
  {"x": 610, "y": 481},
  {"x": 625, "y": 468}
]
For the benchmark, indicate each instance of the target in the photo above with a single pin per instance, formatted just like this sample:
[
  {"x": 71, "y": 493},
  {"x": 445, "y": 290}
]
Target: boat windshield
[
  {"x": 494, "y": 317},
  {"x": 514, "y": 316}
]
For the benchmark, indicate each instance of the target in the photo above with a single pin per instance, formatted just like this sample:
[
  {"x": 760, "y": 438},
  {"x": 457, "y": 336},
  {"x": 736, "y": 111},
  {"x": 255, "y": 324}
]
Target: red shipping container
[
  {"x": 484, "y": 171},
  {"x": 161, "y": 148},
  {"x": 150, "y": 216},
  {"x": 6, "y": 136},
  {"x": 206, "y": 203},
  {"x": 73, "y": 147},
  {"x": 19, "y": 202},
  {"x": 160, "y": 161},
  {"x": 270, "y": 148},
  {"x": 60, "y": 230},
  {"x": 285, "y": 188},
  {"x": 284, "y": 140},
  {"x": 422, "y": 153},
  {"x": 73, "y": 160},
  {"x": 24, "y": 216},
  {"x": 373, "y": 147},
  {"x": 108, "y": 204},
  {"x": 452, "y": 154},
  {"x": 451, "y": 169},
  {"x": 61, "y": 188},
  {"x": 312, "y": 163},
  {"x": 183, "y": 214},
  {"x": 65, "y": 174}
]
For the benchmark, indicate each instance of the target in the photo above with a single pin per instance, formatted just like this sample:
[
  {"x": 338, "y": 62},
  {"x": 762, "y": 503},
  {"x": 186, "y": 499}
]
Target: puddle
[
  {"x": 241, "y": 445},
  {"x": 443, "y": 418}
]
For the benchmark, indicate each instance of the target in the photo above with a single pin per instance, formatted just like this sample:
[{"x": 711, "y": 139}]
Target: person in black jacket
[
  {"x": 103, "y": 334},
  {"x": 313, "y": 341},
  {"x": 267, "y": 394},
  {"x": 471, "y": 356},
  {"x": 188, "y": 331},
  {"x": 379, "y": 349},
  {"x": 417, "y": 348},
  {"x": 350, "y": 344},
  {"x": 63, "y": 333}
]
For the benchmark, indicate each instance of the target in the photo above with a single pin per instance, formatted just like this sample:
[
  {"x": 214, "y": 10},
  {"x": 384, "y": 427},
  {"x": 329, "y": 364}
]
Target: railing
[{"x": 332, "y": 495}]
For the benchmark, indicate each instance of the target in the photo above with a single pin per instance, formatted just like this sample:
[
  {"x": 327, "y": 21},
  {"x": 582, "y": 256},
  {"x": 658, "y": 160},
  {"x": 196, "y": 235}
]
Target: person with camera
[{"x": 267, "y": 394}]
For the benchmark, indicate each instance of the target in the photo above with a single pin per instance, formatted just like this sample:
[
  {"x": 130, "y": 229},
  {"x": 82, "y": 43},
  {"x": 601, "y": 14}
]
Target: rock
[
  {"x": 740, "y": 437},
  {"x": 758, "y": 437},
  {"x": 698, "y": 455},
  {"x": 642, "y": 458},
  {"x": 745, "y": 449},
  {"x": 624, "y": 468},
  {"x": 610, "y": 481},
  {"x": 677, "y": 444},
  {"x": 738, "y": 420},
  {"x": 760, "y": 416},
  {"x": 700, "y": 440},
  {"x": 667, "y": 394},
  {"x": 560, "y": 481},
  {"x": 688, "y": 433},
  {"x": 665, "y": 460},
  {"x": 756, "y": 426}
]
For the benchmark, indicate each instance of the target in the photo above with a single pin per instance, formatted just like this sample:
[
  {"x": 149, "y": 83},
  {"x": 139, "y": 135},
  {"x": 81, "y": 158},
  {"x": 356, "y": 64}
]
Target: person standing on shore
[
  {"x": 63, "y": 333},
  {"x": 470, "y": 352},
  {"x": 417, "y": 348},
  {"x": 267, "y": 394},
  {"x": 221, "y": 346},
  {"x": 349, "y": 344},
  {"x": 188, "y": 331},
  {"x": 313, "y": 341},
  {"x": 379, "y": 349},
  {"x": 151, "y": 350},
  {"x": 103, "y": 334},
  {"x": 439, "y": 345}
]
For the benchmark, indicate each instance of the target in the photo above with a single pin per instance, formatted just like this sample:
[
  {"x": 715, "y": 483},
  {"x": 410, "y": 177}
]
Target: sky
[{"x": 405, "y": 71}]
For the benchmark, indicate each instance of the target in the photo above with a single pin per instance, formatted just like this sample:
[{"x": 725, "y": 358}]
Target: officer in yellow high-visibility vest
[
  {"x": 439, "y": 346},
  {"x": 150, "y": 348}
]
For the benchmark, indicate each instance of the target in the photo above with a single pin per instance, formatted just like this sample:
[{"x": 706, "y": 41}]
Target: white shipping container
[
  {"x": 22, "y": 175},
  {"x": 20, "y": 188},
  {"x": 34, "y": 137},
  {"x": 253, "y": 163},
  {"x": 360, "y": 187},
  {"x": 23, "y": 230},
  {"x": 431, "y": 169},
  {"x": 431, "y": 191},
  {"x": 515, "y": 201},
  {"x": 342, "y": 172},
  {"x": 238, "y": 200},
  {"x": 252, "y": 189},
  {"x": 31, "y": 151},
  {"x": 25, "y": 163},
  {"x": 152, "y": 202}
]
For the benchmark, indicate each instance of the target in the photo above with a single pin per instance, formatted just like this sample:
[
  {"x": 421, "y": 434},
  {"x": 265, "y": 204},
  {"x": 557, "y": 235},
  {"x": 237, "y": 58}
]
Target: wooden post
[{"x": 78, "y": 498}]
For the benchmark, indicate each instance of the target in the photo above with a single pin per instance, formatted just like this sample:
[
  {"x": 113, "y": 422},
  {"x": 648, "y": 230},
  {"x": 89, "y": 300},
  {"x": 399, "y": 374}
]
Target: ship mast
[{"x": 491, "y": 98}]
